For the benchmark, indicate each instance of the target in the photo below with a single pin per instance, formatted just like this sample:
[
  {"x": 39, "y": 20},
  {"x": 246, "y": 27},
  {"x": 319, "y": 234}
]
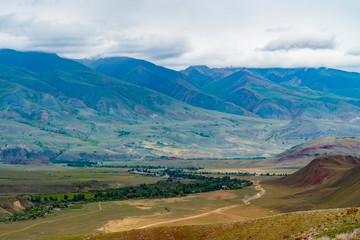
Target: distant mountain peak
[{"x": 200, "y": 68}]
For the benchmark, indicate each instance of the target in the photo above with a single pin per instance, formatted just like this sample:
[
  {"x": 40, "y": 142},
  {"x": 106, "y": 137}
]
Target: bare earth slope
[
  {"x": 324, "y": 146},
  {"x": 332, "y": 181}
]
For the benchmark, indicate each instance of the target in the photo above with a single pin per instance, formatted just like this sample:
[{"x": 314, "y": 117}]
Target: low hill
[
  {"x": 332, "y": 181},
  {"x": 323, "y": 170},
  {"x": 21, "y": 156},
  {"x": 11, "y": 205},
  {"x": 323, "y": 146}
]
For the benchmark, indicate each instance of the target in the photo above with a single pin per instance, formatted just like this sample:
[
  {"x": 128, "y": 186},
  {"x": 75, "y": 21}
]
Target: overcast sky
[{"x": 179, "y": 33}]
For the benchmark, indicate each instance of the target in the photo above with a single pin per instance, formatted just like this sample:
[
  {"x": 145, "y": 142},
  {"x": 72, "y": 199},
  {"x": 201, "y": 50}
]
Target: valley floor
[
  {"x": 105, "y": 217},
  {"x": 258, "y": 212},
  {"x": 265, "y": 210}
]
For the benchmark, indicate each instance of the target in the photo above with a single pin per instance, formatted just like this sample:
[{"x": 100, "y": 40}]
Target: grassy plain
[
  {"x": 216, "y": 165},
  {"x": 225, "y": 210},
  {"x": 107, "y": 217},
  {"x": 57, "y": 179}
]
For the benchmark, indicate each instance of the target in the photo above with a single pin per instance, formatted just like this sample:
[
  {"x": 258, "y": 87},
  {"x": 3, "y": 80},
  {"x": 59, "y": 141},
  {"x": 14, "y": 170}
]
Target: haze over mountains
[{"x": 129, "y": 108}]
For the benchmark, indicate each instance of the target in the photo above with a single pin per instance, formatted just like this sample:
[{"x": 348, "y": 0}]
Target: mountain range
[
  {"x": 167, "y": 81},
  {"x": 268, "y": 93},
  {"x": 125, "y": 108},
  {"x": 283, "y": 93}
]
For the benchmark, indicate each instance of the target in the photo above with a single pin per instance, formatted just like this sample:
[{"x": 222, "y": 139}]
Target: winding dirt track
[
  {"x": 51, "y": 221},
  {"x": 256, "y": 196},
  {"x": 246, "y": 201}
]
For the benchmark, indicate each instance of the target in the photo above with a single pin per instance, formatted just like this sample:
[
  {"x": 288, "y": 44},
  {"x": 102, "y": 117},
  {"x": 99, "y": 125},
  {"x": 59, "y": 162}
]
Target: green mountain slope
[
  {"x": 271, "y": 100},
  {"x": 163, "y": 80},
  {"x": 283, "y": 93},
  {"x": 48, "y": 103},
  {"x": 65, "y": 82},
  {"x": 319, "y": 79},
  {"x": 56, "y": 104}
]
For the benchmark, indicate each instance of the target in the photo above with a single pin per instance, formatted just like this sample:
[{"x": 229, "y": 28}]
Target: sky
[{"x": 180, "y": 33}]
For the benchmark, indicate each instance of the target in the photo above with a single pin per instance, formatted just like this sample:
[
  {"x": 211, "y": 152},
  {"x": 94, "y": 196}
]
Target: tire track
[{"x": 246, "y": 201}]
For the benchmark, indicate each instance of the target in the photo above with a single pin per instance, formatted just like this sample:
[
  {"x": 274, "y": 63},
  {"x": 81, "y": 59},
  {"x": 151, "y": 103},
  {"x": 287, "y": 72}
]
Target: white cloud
[
  {"x": 155, "y": 46},
  {"x": 279, "y": 29},
  {"x": 179, "y": 33},
  {"x": 79, "y": 38},
  {"x": 300, "y": 41},
  {"x": 354, "y": 51}
]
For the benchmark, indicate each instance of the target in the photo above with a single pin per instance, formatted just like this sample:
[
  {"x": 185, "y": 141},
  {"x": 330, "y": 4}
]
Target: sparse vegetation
[
  {"x": 320, "y": 224},
  {"x": 122, "y": 133},
  {"x": 246, "y": 174},
  {"x": 203, "y": 134},
  {"x": 76, "y": 163},
  {"x": 40, "y": 209}
]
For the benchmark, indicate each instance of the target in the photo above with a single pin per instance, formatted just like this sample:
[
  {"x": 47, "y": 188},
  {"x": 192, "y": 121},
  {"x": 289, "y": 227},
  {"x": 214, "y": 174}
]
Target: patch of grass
[
  {"x": 25, "y": 180},
  {"x": 76, "y": 206},
  {"x": 94, "y": 142},
  {"x": 160, "y": 144}
]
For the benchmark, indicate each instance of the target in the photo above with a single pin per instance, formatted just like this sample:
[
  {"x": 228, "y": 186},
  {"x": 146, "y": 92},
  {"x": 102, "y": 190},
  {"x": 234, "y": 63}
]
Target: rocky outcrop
[
  {"x": 24, "y": 156},
  {"x": 11, "y": 205}
]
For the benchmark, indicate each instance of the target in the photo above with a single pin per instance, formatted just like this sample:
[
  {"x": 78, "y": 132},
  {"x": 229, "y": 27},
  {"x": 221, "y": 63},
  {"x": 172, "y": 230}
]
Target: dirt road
[
  {"x": 219, "y": 210},
  {"x": 246, "y": 201}
]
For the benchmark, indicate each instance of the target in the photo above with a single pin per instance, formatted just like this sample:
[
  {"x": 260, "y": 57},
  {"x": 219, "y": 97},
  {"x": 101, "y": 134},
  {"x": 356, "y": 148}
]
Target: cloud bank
[
  {"x": 354, "y": 51},
  {"x": 179, "y": 33},
  {"x": 77, "y": 39},
  {"x": 291, "y": 42}
]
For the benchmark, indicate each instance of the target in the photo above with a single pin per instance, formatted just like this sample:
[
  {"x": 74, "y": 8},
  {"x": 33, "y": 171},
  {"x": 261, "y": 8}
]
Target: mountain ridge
[
  {"x": 166, "y": 81},
  {"x": 51, "y": 103},
  {"x": 269, "y": 97},
  {"x": 271, "y": 93}
]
